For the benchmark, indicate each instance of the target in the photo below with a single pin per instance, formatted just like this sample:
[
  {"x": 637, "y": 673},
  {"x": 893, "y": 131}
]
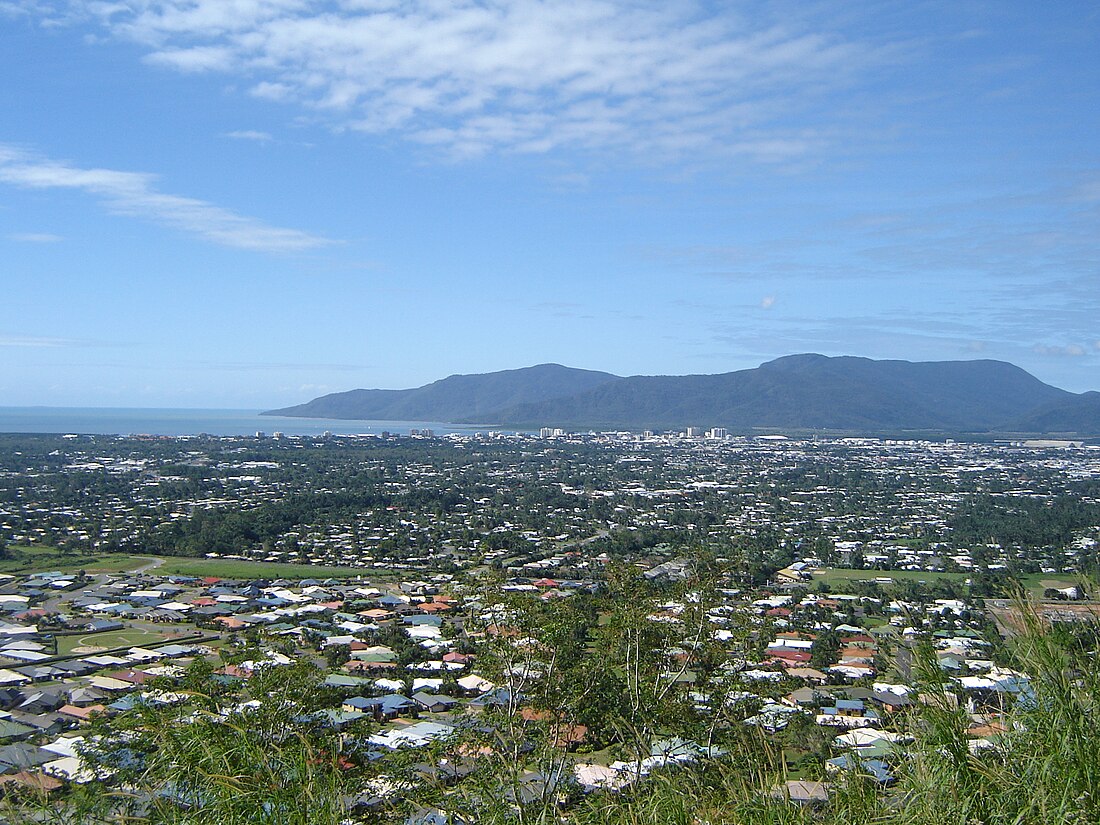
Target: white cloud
[
  {"x": 250, "y": 134},
  {"x": 1069, "y": 350},
  {"x": 33, "y": 341},
  {"x": 193, "y": 59},
  {"x": 473, "y": 76},
  {"x": 134, "y": 194},
  {"x": 34, "y": 237}
]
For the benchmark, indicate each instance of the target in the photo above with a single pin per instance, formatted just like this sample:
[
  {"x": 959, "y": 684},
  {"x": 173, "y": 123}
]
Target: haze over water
[{"x": 180, "y": 422}]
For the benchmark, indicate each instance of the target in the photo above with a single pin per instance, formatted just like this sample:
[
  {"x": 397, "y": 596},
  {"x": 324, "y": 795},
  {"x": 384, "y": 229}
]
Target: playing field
[
  {"x": 39, "y": 559},
  {"x": 836, "y": 576},
  {"x": 238, "y": 569},
  {"x": 96, "y": 642}
]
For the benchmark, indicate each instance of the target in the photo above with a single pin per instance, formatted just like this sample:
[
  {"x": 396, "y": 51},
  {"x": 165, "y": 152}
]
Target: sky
[{"x": 249, "y": 203}]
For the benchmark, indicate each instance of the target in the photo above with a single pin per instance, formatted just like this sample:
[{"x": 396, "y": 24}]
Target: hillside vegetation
[
  {"x": 797, "y": 392},
  {"x": 194, "y": 763}
]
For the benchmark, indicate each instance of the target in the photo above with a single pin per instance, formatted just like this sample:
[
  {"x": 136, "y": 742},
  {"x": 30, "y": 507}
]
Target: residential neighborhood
[{"x": 516, "y": 623}]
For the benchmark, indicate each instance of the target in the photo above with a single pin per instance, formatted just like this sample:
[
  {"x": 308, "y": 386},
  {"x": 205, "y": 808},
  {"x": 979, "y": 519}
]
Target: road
[{"x": 153, "y": 564}]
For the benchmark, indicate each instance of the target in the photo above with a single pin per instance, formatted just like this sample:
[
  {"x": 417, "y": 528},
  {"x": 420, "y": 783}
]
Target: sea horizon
[{"x": 191, "y": 421}]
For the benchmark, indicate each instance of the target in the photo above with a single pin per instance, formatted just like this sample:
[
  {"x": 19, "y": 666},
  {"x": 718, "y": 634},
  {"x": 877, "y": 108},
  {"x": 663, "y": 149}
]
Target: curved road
[{"x": 153, "y": 564}]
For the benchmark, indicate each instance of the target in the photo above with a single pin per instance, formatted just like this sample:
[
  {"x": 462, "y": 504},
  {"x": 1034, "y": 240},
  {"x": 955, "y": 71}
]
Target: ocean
[{"x": 176, "y": 422}]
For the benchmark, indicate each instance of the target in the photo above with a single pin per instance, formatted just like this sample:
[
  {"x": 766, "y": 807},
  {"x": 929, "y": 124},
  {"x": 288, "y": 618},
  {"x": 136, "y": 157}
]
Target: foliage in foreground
[
  {"x": 1044, "y": 769},
  {"x": 262, "y": 767}
]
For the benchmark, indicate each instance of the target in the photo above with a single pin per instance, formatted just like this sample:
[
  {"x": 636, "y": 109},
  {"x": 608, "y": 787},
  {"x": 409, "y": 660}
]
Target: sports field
[
  {"x": 96, "y": 642},
  {"x": 239, "y": 569},
  {"x": 834, "y": 576},
  {"x": 39, "y": 559}
]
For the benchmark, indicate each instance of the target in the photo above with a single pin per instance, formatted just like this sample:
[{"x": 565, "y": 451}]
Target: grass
[
  {"x": 40, "y": 559},
  {"x": 834, "y": 575},
  {"x": 240, "y": 569},
  {"x": 1036, "y": 583},
  {"x": 130, "y": 637},
  {"x": 1043, "y": 771}
]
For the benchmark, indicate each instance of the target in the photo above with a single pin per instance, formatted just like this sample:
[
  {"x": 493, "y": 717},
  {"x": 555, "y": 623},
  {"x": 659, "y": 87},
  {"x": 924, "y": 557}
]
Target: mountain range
[{"x": 794, "y": 392}]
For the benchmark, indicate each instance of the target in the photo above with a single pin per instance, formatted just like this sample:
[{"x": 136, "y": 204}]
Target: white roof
[
  {"x": 863, "y": 737},
  {"x": 25, "y": 655},
  {"x": 10, "y": 677},
  {"x": 70, "y": 767},
  {"x": 423, "y": 631},
  {"x": 475, "y": 682},
  {"x": 177, "y": 606},
  {"x": 64, "y": 745},
  {"x": 141, "y": 654},
  {"x": 793, "y": 644},
  {"x": 600, "y": 776}
]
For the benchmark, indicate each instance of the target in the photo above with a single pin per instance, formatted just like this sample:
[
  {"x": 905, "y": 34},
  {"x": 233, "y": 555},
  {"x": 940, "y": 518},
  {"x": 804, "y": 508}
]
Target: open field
[
  {"x": 41, "y": 559},
  {"x": 239, "y": 569},
  {"x": 834, "y": 576},
  {"x": 129, "y": 637},
  {"x": 1036, "y": 583}
]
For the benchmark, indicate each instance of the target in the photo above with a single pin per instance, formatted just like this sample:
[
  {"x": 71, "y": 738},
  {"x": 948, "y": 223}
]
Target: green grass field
[
  {"x": 40, "y": 559},
  {"x": 238, "y": 569},
  {"x": 837, "y": 576},
  {"x": 1036, "y": 583},
  {"x": 129, "y": 637}
]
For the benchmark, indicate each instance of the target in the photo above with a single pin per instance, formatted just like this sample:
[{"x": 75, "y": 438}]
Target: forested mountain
[
  {"x": 1077, "y": 415},
  {"x": 477, "y": 398},
  {"x": 795, "y": 392},
  {"x": 809, "y": 391}
]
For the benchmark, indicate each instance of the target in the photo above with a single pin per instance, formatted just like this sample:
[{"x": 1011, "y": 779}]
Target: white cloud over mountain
[
  {"x": 530, "y": 76},
  {"x": 135, "y": 194}
]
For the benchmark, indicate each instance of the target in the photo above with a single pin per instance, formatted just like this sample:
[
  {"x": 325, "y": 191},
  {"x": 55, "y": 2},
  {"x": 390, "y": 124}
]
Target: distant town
[{"x": 532, "y": 628}]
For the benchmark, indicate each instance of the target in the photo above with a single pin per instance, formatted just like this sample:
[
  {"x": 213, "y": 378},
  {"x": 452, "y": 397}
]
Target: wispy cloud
[
  {"x": 1061, "y": 351},
  {"x": 468, "y": 77},
  {"x": 280, "y": 367},
  {"x": 250, "y": 134},
  {"x": 36, "y": 342},
  {"x": 134, "y": 194},
  {"x": 34, "y": 237}
]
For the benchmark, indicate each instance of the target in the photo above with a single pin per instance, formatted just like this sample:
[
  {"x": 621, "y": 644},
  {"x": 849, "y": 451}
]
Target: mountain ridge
[
  {"x": 451, "y": 398},
  {"x": 802, "y": 391}
]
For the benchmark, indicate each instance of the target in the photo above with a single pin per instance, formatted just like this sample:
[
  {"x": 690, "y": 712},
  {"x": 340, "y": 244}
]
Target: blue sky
[{"x": 248, "y": 203}]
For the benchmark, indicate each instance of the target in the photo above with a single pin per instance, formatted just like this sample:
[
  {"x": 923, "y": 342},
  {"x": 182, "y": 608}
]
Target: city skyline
[{"x": 250, "y": 204}]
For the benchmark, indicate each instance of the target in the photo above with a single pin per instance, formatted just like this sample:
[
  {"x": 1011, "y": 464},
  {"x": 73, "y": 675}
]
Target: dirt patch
[{"x": 83, "y": 649}]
